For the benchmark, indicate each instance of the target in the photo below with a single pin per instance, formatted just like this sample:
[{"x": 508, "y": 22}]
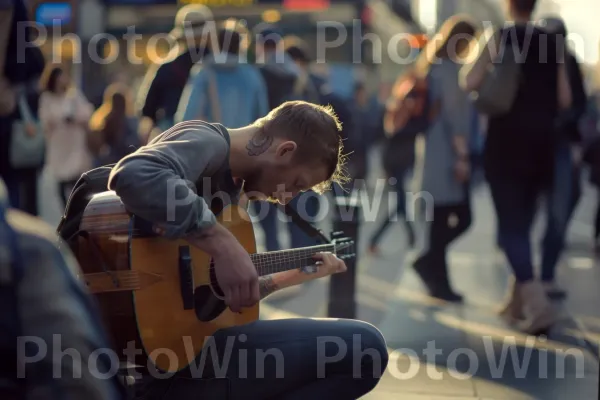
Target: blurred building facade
[{"x": 118, "y": 39}]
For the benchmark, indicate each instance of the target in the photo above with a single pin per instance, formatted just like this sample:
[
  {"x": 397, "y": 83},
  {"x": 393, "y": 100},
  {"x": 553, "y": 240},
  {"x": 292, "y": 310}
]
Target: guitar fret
[{"x": 285, "y": 260}]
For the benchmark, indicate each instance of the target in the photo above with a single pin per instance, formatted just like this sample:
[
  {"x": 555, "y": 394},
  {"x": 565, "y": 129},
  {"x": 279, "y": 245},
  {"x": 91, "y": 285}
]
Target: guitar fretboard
[{"x": 285, "y": 260}]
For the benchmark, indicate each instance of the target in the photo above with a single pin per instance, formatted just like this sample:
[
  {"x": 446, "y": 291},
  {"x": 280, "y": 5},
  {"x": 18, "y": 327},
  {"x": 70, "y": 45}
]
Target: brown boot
[
  {"x": 539, "y": 313},
  {"x": 512, "y": 311}
]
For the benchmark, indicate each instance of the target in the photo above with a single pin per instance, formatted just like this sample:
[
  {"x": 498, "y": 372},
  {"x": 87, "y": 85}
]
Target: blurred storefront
[
  {"x": 56, "y": 24},
  {"x": 136, "y": 31}
]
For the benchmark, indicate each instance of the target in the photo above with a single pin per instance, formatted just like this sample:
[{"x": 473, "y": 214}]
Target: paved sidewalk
[
  {"x": 441, "y": 351},
  {"x": 477, "y": 355}
]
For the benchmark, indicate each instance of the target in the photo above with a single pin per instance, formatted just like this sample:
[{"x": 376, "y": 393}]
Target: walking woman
[
  {"x": 64, "y": 113},
  {"x": 519, "y": 154},
  {"x": 442, "y": 169},
  {"x": 398, "y": 156},
  {"x": 114, "y": 128}
]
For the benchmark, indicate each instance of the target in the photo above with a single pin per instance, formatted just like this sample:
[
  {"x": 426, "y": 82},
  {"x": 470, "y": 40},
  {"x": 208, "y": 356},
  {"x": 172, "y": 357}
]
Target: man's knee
[{"x": 370, "y": 349}]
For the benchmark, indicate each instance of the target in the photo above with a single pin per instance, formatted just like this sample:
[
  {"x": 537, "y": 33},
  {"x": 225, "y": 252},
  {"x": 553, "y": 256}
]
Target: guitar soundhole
[{"x": 206, "y": 304}]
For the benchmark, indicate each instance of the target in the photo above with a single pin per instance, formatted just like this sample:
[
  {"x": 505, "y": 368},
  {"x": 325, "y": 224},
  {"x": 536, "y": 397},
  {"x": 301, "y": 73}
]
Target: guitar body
[{"x": 160, "y": 294}]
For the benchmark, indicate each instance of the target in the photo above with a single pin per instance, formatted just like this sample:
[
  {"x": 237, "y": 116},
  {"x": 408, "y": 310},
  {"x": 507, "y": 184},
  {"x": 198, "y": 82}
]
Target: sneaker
[
  {"x": 512, "y": 309},
  {"x": 539, "y": 313}
]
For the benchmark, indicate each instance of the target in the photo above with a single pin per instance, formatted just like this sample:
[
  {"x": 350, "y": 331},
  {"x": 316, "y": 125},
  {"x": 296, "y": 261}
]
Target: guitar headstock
[{"x": 343, "y": 247}]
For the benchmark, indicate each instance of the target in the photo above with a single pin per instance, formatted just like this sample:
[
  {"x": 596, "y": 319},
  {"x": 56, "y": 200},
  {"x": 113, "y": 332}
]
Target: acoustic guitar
[{"x": 162, "y": 295}]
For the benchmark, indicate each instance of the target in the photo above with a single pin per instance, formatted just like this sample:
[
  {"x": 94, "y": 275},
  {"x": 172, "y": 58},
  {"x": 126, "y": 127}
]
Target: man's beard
[{"x": 252, "y": 190}]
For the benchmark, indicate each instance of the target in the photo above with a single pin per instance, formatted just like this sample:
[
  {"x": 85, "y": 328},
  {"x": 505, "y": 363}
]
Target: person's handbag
[
  {"x": 26, "y": 151},
  {"x": 500, "y": 85}
]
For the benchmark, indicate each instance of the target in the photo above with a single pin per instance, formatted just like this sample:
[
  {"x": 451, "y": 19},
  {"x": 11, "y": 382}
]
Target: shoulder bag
[
  {"x": 26, "y": 151},
  {"x": 500, "y": 85}
]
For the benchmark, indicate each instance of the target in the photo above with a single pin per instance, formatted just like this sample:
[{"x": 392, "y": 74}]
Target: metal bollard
[{"x": 342, "y": 287}]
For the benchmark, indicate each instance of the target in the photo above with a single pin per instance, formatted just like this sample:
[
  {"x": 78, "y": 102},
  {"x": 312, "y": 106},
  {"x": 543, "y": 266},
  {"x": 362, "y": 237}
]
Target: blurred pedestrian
[
  {"x": 280, "y": 72},
  {"x": 225, "y": 89},
  {"x": 399, "y": 149},
  {"x": 42, "y": 300},
  {"x": 566, "y": 188},
  {"x": 27, "y": 167},
  {"x": 18, "y": 77},
  {"x": 367, "y": 114},
  {"x": 161, "y": 89},
  {"x": 519, "y": 155},
  {"x": 590, "y": 129},
  {"x": 592, "y": 158},
  {"x": 114, "y": 127},
  {"x": 444, "y": 165},
  {"x": 64, "y": 113}
]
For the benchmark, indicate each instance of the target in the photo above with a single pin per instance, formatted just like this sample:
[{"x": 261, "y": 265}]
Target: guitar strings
[{"x": 282, "y": 256}]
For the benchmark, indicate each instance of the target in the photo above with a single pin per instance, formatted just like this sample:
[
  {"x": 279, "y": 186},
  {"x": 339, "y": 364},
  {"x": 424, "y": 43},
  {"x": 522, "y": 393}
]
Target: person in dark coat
[
  {"x": 164, "y": 83},
  {"x": 21, "y": 75}
]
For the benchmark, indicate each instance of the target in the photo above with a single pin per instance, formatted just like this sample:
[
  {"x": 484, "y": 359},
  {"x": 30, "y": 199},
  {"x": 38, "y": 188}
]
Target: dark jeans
[
  {"x": 515, "y": 201},
  {"x": 449, "y": 223},
  {"x": 400, "y": 211},
  {"x": 22, "y": 189},
  {"x": 560, "y": 206},
  {"x": 283, "y": 359}
]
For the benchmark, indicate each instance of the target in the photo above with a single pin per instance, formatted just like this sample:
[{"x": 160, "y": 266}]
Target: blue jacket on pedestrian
[{"x": 241, "y": 94}]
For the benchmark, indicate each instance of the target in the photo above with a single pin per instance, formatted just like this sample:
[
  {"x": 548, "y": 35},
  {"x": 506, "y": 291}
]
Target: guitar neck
[{"x": 285, "y": 260}]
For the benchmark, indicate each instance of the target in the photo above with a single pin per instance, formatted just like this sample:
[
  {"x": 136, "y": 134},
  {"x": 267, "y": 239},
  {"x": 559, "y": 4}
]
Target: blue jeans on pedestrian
[
  {"x": 282, "y": 359},
  {"x": 515, "y": 202},
  {"x": 307, "y": 206},
  {"x": 561, "y": 203}
]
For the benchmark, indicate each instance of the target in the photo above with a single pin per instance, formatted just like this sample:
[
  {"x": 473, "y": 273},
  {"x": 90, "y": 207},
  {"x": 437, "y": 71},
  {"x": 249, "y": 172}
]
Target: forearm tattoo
[
  {"x": 259, "y": 143},
  {"x": 266, "y": 286}
]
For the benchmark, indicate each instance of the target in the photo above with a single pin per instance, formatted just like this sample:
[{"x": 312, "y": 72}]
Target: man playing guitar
[{"x": 175, "y": 181}]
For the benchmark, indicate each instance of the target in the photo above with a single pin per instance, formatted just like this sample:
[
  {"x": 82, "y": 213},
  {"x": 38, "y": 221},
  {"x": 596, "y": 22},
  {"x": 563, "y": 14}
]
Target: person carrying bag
[
  {"x": 27, "y": 144},
  {"x": 498, "y": 90}
]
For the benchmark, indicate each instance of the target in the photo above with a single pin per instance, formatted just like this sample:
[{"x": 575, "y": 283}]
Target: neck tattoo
[{"x": 259, "y": 143}]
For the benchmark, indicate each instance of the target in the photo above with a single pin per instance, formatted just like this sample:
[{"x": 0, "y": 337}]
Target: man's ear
[{"x": 286, "y": 149}]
